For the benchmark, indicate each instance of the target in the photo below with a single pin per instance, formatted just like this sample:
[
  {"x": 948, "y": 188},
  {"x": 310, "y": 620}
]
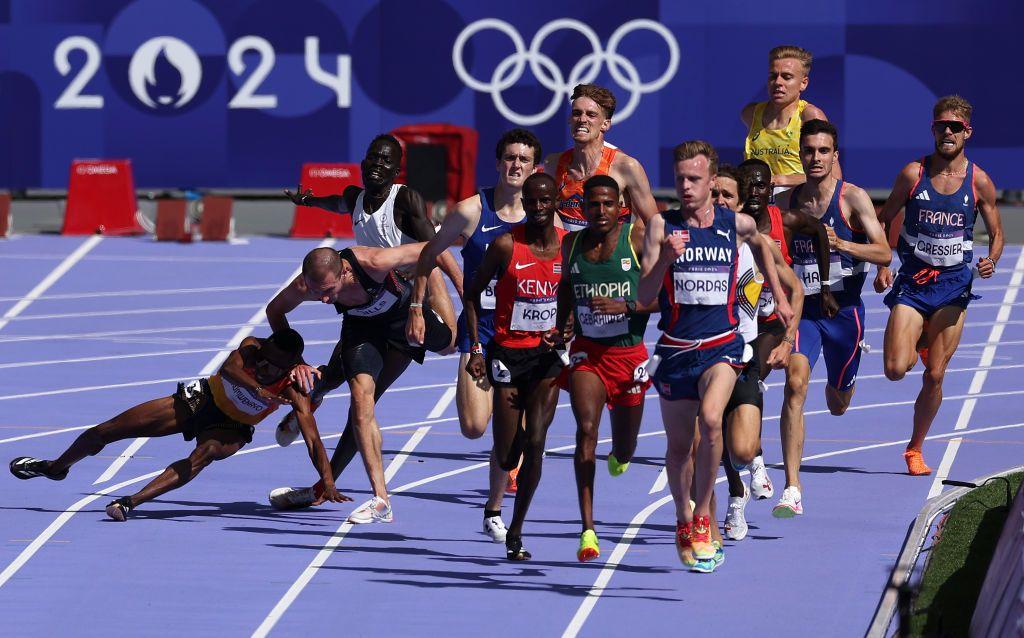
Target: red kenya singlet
[{"x": 526, "y": 298}]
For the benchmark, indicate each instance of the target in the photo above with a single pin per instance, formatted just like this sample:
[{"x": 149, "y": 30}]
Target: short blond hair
[
  {"x": 692, "y": 148},
  {"x": 953, "y": 104},
  {"x": 791, "y": 51}
]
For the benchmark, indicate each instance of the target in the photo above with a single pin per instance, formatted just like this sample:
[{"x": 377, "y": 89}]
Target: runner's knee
[{"x": 933, "y": 376}]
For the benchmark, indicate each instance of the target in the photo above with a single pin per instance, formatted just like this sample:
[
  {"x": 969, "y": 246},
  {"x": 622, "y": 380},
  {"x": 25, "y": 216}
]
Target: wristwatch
[{"x": 630, "y": 307}]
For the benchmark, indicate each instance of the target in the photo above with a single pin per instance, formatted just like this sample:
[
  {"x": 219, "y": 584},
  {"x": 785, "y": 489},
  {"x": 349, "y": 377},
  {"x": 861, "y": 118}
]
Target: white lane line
[
  {"x": 146, "y": 292},
  {"x": 974, "y": 390},
  {"x": 134, "y": 311},
  {"x": 36, "y": 435},
  {"x": 601, "y": 582},
  {"x": 50, "y": 279},
  {"x": 661, "y": 482},
  {"x": 212, "y": 366},
  {"x": 175, "y": 259},
  {"x": 147, "y": 331},
  {"x": 325, "y": 552},
  {"x": 442, "y": 403}
]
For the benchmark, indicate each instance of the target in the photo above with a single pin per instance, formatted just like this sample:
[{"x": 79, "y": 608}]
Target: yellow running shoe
[
  {"x": 589, "y": 549},
  {"x": 615, "y": 468}
]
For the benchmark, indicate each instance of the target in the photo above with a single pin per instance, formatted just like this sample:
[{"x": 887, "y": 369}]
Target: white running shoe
[
  {"x": 290, "y": 498},
  {"x": 760, "y": 483},
  {"x": 495, "y": 528},
  {"x": 375, "y": 510},
  {"x": 735, "y": 521},
  {"x": 287, "y": 430},
  {"x": 790, "y": 504}
]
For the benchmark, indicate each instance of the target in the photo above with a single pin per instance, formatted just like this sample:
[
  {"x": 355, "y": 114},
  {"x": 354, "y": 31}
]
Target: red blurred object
[
  {"x": 101, "y": 199},
  {"x": 5, "y": 214},
  {"x": 172, "y": 222},
  {"x": 460, "y": 144},
  {"x": 216, "y": 223},
  {"x": 324, "y": 179}
]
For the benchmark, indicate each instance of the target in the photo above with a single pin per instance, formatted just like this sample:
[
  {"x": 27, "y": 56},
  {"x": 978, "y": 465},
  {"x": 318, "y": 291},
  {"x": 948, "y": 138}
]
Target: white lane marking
[
  {"x": 601, "y": 582},
  {"x": 134, "y": 311},
  {"x": 325, "y": 552},
  {"x": 442, "y": 403},
  {"x": 974, "y": 390},
  {"x": 212, "y": 366},
  {"x": 36, "y": 435},
  {"x": 147, "y": 331},
  {"x": 175, "y": 259},
  {"x": 146, "y": 292},
  {"x": 661, "y": 482},
  {"x": 50, "y": 279}
]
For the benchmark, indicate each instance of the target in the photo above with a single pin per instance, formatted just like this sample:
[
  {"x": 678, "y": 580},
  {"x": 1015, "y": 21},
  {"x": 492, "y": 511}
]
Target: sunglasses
[{"x": 955, "y": 126}]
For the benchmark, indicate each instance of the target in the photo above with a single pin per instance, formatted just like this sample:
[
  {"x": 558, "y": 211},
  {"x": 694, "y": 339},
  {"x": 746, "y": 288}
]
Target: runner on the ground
[
  {"x": 592, "y": 108},
  {"x": 521, "y": 361},
  {"x": 689, "y": 266},
  {"x": 218, "y": 412},
  {"x": 855, "y": 239},
  {"x": 480, "y": 220},
  {"x": 942, "y": 193},
  {"x": 364, "y": 285},
  {"x": 600, "y": 273},
  {"x": 773, "y": 127}
]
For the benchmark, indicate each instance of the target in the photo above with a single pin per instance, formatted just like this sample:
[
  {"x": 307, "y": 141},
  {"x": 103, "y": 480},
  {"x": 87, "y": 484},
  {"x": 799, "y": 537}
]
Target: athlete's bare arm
[
  {"x": 747, "y": 114},
  {"x": 551, "y": 163},
  {"x": 797, "y": 221},
  {"x": 746, "y": 231},
  {"x": 899, "y": 195},
  {"x": 314, "y": 445},
  {"x": 495, "y": 260},
  {"x": 284, "y": 302},
  {"x": 234, "y": 369},
  {"x": 636, "y": 239},
  {"x": 632, "y": 177},
  {"x": 334, "y": 203},
  {"x": 778, "y": 358},
  {"x": 415, "y": 223},
  {"x": 566, "y": 296},
  {"x": 378, "y": 262},
  {"x": 659, "y": 253},
  {"x": 986, "y": 201},
  {"x": 862, "y": 213}
]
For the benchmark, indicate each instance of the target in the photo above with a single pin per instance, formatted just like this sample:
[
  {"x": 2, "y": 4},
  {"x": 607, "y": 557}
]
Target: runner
[
  {"x": 942, "y": 194},
  {"x": 592, "y": 109},
  {"x": 521, "y": 361},
  {"x": 364, "y": 285},
  {"x": 480, "y": 220},
  {"x": 689, "y": 265},
  {"x": 218, "y": 412},
  {"x": 601, "y": 269},
  {"x": 773, "y": 127},
  {"x": 855, "y": 238},
  {"x": 726, "y": 190}
]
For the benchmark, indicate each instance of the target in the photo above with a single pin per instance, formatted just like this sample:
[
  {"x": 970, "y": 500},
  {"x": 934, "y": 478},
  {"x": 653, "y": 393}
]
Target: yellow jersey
[{"x": 780, "y": 148}]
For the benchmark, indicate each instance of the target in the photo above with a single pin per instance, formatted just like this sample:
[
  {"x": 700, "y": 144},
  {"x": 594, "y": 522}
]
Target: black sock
[{"x": 491, "y": 513}]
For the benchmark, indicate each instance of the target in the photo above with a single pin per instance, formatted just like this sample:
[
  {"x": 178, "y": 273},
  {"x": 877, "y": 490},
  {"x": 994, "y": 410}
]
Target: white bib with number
[
  {"x": 381, "y": 304},
  {"x": 701, "y": 288},
  {"x": 940, "y": 251},
  {"x": 487, "y": 296},
  {"x": 599, "y": 326},
  {"x": 811, "y": 278},
  {"x": 534, "y": 315}
]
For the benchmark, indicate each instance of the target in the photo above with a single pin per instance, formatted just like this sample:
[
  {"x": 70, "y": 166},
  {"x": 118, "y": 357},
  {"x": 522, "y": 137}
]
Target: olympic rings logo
[{"x": 586, "y": 70}]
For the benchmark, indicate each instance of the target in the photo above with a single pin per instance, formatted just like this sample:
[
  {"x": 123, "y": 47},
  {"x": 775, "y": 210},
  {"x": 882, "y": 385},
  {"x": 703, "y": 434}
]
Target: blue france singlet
[
  {"x": 845, "y": 274},
  {"x": 698, "y": 296},
  {"x": 938, "y": 230},
  {"x": 489, "y": 228}
]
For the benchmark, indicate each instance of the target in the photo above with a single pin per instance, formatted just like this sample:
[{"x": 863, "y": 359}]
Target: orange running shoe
[
  {"x": 915, "y": 463},
  {"x": 700, "y": 538},
  {"x": 512, "y": 486},
  {"x": 684, "y": 546}
]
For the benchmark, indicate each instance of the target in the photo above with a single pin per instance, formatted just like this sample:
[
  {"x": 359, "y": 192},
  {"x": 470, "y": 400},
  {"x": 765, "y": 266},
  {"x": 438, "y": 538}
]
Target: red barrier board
[
  {"x": 460, "y": 143},
  {"x": 171, "y": 221},
  {"x": 101, "y": 199},
  {"x": 5, "y": 214},
  {"x": 324, "y": 179},
  {"x": 216, "y": 224}
]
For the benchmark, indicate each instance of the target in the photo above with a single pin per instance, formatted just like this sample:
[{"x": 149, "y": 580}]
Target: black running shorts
[
  {"x": 365, "y": 341},
  {"x": 197, "y": 400},
  {"x": 521, "y": 367}
]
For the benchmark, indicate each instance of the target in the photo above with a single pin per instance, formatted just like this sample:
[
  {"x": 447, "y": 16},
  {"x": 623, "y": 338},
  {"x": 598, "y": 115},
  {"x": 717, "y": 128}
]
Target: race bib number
[
  {"x": 534, "y": 315},
  {"x": 702, "y": 288},
  {"x": 766, "y": 302},
  {"x": 597, "y": 325},
  {"x": 811, "y": 278},
  {"x": 940, "y": 251},
  {"x": 487, "y": 296},
  {"x": 381, "y": 304}
]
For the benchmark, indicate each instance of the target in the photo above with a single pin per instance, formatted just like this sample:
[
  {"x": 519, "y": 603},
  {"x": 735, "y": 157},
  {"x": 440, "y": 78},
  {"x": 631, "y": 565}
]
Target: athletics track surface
[{"x": 214, "y": 559}]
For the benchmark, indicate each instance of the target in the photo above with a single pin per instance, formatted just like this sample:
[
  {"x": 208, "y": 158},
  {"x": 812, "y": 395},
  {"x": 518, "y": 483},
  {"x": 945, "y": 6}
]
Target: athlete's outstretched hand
[
  {"x": 553, "y": 338},
  {"x": 883, "y": 280},
  {"x": 606, "y": 306},
  {"x": 778, "y": 358},
  {"x": 829, "y": 305},
  {"x": 299, "y": 196},
  {"x": 305, "y": 375},
  {"x": 415, "y": 327},
  {"x": 331, "y": 494},
  {"x": 476, "y": 367}
]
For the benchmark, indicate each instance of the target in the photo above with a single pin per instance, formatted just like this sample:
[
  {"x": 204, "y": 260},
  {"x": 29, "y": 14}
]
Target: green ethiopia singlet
[{"x": 617, "y": 279}]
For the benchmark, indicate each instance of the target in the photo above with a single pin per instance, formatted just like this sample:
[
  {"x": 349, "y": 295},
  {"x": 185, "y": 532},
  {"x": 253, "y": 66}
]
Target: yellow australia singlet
[{"x": 780, "y": 148}]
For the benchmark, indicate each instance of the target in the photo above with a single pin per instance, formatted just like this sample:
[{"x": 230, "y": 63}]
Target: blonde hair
[
  {"x": 790, "y": 51},
  {"x": 954, "y": 104},
  {"x": 604, "y": 98},
  {"x": 692, "y": 148}
]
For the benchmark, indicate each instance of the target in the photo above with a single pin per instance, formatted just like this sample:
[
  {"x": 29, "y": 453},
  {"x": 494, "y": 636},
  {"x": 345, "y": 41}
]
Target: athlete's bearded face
[
  {"x": 786, "y": 80},
  {"x": 725, "y": 192},
  {"x": 951, "y": 132},
  {"x": 817, "y": 155},
  {"x": 755, "y": 189},
  {"x": 601, "y": 208},
  {"x": 381, "y": 165},
  {"x": 693, "y": 183},
  {"x": 516, "y": 164},
  {"x": 539, "y": 202},
  {"x": 587, "y": 121}
]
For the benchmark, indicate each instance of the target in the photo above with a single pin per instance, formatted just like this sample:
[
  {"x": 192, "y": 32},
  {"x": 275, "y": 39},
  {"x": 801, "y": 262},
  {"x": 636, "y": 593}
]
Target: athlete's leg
[
  {"x": 588, "y": 395},
  {"x": 211, "y": 445},
  {"x": 158, "y": 417},
  {"x": 901, "y": 335},
  {"x": 791, "y": 426},
  {"x": 474, "y": 400},
  {"x": 715, "y": 388},
  {"x": 625, "y": 421},
  {"x": 540, "y": 400},
  {"x": 944, "y": 329},
  {"x": 367, "y": 431},
  {"x": 680, "y": 421}
]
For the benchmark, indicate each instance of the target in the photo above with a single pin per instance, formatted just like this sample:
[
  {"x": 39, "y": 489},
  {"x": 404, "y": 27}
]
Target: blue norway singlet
[
  {"x": 845, "y": 274},
  {"x": 698, "y": 296},
  {"x": 489, "y": 228},
  {"x": 938, "y": 230}
]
